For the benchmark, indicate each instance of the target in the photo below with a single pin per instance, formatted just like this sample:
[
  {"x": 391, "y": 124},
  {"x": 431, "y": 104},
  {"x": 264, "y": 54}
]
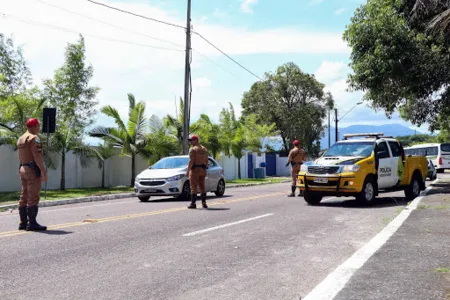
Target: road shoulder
[{"x": 415, "y": 262}]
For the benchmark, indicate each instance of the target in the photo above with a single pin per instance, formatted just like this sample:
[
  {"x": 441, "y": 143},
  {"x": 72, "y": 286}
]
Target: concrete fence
[{"x": 117, "y": 170}]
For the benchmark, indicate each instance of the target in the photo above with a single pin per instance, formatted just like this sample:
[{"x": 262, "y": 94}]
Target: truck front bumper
[{"x": 329, "y": 185}]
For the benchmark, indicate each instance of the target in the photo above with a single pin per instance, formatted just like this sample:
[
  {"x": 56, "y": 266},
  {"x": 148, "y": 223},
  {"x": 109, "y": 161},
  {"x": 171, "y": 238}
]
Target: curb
[{"x": 49, "y": 203}]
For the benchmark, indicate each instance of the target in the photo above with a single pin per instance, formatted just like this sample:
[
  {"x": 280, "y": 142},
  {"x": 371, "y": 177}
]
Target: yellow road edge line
[{"x": 132, "y": 216}]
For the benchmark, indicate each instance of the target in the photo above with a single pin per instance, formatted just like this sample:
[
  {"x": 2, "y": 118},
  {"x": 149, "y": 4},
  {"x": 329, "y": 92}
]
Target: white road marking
[
  {"x": 335, "y": 281},
  {"x": 226, "y": 225}
]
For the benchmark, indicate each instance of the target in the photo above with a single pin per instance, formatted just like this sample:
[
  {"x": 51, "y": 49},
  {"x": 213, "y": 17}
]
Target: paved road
[{"x": 255, "y": 243}]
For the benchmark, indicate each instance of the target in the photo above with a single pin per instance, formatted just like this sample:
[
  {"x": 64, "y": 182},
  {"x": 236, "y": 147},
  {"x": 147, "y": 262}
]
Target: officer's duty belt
[{"x": 199, "y": 166}]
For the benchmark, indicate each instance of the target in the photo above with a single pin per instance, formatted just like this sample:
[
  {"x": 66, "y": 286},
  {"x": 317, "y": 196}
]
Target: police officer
[
  {"x": 297, "y": 157},
  {"x": 196, "y": 171},
  {"x": 32, "y": 174}
]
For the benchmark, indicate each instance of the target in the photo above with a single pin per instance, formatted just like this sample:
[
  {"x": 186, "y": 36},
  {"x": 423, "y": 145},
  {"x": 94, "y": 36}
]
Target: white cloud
[
  {"x": 331, "y": 70},
  {"x": 153, "y": 75},
  {"x": 245, "y": 5},
  {"x": 201, "y": 82},
  {"x": 339, "y": 11}
]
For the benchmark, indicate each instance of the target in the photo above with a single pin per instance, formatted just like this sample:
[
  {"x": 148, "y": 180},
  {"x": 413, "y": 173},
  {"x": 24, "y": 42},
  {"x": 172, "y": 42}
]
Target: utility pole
[
  {"x": 329, "y": 128},
  {"x": 187, "y": 73},
  {"x": 336, "y": 121}
]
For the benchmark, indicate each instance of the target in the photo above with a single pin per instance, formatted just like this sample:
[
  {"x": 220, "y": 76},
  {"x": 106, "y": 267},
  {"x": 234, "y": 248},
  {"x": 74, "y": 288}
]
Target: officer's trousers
[
  {"x": 31, "y": 187},
  {"x": 294, "y": 172},
  {"x": 197, "y": 178}
]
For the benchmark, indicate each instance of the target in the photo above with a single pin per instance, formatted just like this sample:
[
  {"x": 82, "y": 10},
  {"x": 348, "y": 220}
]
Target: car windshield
[
  {"x": 445, "y": 147},
  {"x": 360, "y": 149},
  {"x": 171, "y": 163}
]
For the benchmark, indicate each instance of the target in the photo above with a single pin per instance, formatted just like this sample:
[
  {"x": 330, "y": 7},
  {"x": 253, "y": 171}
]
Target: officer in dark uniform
[
  {"x": 32, "y": 174},
  {"x": 196, "y": 170},
  {"x": 297, "y": 157}
]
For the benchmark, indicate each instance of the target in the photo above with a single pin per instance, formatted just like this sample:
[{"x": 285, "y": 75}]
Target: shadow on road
[
  {"x": 209, "y": 198},
  {"x": 217, "y": 208},
  {"x": 54, "y": 232},
  {"x": 379, "y": 202}
]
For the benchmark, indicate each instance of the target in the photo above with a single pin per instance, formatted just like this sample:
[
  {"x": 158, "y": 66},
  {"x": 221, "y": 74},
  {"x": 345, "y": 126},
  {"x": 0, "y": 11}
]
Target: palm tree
[
  {"x": 175, "y": 124},
  {"x": 66, "y": 140},
  {"x": 15, "y": 126},
  {"x": 160, "y": 143},
  {"x": 433, "y": 14},
  {"x": 103, "y": 152},
  {"x": 208, "y": 133},
  {"x": 130, "y": 137}
]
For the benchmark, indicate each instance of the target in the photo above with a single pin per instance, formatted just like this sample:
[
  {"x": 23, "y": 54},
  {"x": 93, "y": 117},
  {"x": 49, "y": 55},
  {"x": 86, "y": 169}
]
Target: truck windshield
[{"x": 360, "y": 149}]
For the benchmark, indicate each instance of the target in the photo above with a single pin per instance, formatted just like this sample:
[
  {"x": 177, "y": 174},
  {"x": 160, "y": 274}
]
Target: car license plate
[
  {"x": 320, "y": 180},
  {"x": 150, "y": 191}
]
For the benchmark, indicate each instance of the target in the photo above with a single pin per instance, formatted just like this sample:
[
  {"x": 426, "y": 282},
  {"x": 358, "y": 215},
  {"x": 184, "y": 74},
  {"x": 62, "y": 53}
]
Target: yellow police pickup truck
[{"x": 362, "y": 166}]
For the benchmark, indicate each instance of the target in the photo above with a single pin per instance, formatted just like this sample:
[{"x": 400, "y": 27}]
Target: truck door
[
  {"x": 385, "y": 167},
  {"x": 397, "y": 162}
]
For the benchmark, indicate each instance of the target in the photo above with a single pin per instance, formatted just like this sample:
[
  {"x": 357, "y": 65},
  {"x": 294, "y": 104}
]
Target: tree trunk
[
  {"x": 103, "y": 175},
  {"x": 239, "y": 168},
  {"x": 133, "y": 168},
  {"x": 285, "y": 144},
  {"x": 62, "y": 184}
]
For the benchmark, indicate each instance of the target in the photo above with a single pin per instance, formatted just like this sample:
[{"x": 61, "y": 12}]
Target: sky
[{"x": 259, "y": 34}]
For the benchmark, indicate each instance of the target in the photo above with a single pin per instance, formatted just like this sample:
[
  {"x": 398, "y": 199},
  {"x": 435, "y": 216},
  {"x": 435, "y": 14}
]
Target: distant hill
[{"x": 387, "y": 129}]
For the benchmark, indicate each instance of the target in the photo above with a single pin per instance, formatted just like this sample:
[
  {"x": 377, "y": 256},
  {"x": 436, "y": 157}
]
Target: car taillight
[{"x": 440, "y": 161}]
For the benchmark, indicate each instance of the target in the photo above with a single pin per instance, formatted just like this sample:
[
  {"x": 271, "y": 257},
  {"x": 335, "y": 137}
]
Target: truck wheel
[
  {"x": 312, "y": 199},
  {"x": 368, "y": 191},
  {"x": 144, "y": 198},
  {"x": 413, "y": 190}
]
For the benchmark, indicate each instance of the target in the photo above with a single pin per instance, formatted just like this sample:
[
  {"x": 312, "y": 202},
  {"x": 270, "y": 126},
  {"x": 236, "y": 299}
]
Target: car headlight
[
  {"x": 176, "y": 177},
  {"x": 351, "y": 168},
  {"x": 304, "y": 168},
  {"x": 137, "y": 179}
]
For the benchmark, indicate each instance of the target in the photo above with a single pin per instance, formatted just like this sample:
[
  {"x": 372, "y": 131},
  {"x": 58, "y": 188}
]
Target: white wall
[{"x": 117, "y": 172}]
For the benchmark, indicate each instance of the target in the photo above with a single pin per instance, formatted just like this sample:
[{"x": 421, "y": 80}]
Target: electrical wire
[
  {"x": 109, "y": 24},
  {"x": 136, "y": 15},
  {"x": 207, "y": 58},
  {"x": 85, "y": 34},
  {"x": 232, "y": 59}
]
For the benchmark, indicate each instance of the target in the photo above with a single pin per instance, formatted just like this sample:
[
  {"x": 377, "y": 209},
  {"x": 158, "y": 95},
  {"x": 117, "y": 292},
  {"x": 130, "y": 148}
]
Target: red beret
[
  {"x": 32, "y": 122},
  {"x": 193, "y": 137},
  {"x": 296, "y": 142}
]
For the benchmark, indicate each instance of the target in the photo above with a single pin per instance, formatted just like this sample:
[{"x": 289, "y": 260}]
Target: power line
[
  {"x": 207, "y": 58},
  {"x": 86, "y": 34},
  {"x": 109, "y": 24},
  {"x": 136, "y": 15},
  {"x": 232, "y": 59}
]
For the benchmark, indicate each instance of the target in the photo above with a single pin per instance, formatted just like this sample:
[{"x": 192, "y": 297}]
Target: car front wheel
[
  {"x": 144, "y": 198},
  {"x": 368, "y": 191},
  {"x": 312, "y": 199},
  {"x": 186, "y": 192}
]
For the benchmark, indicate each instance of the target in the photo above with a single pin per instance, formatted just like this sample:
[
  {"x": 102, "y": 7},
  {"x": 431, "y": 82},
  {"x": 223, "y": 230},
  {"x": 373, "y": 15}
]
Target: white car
[{"x": 167, "y": 178}]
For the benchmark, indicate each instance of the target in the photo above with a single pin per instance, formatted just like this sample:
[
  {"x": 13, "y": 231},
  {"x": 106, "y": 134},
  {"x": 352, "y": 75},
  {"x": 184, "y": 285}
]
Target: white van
[{"x": 438, "y": 153}]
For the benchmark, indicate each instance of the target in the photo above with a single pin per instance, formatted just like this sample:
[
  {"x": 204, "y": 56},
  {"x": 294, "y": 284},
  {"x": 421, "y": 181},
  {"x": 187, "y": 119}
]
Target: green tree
[
  {"x": 209, "y": 133},
  {"x": 131, "y": 138},
  {"x": 237, "y": 136},
  {"x": 398, "y": 62},
  {"x": 15, "y": 76},
  {"x": 160, "y": 143},
  {"x": 292, "y": 100},
  {"x": 176, "y": 125},
  {"x": 411, "y": 140},
  {"x": 102, "y": 153},
  {"x": 69, "y": 91}
]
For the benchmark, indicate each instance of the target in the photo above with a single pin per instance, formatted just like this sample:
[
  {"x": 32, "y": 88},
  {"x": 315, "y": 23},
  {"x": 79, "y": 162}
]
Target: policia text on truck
[{"x": 363, "y": 165}]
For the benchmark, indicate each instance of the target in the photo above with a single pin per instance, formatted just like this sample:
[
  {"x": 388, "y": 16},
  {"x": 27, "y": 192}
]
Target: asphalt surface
[
  {"x": 254, "y": 243},
  {"x": 415, "y": 263}
]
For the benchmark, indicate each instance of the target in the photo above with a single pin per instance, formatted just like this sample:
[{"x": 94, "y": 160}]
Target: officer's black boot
[
  {"x": 32, "y": 212},
  {"x": 300, "y": 194},
  {"x": 292, "y": 194},
  {"x": 23, "y": 218},
  {"x": 204, "y": 201},
  {"x": 193, "y": 200}
]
